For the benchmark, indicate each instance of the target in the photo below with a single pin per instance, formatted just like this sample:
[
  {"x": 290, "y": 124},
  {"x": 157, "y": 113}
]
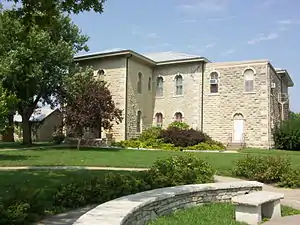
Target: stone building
[{"x": 237, "y": 103}]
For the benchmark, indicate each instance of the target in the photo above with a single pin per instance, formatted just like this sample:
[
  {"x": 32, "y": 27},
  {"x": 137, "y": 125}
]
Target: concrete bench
[{"x": 250, "y": 208}]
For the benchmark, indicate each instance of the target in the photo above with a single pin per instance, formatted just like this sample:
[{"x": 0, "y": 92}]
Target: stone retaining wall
[{"x": 140, "y": 208}]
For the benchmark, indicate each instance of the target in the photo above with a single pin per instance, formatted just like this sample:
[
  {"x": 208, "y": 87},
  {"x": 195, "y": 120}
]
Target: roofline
[
  {"x": 284, "y": 71},
  {"x": 196, "y": 59},
  {"x": 111, "y": 54},
  {"x": 142, "y": 57}
]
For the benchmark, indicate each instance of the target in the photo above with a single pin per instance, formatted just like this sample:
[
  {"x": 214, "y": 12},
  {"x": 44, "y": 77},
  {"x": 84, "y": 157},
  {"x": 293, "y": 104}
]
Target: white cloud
[
  {"x": 152, "y": 35},
  {"x": 135, "y": 30},
  {"x": 188, "y": 21},
  {"x": 269, "y": 3},
  {"x": 209, "y": 45},
  {"x": 263, "y": 37},
  {"x": 204, "y": 6},
  {"x": 229, "y": 52},
  {"x": 222, "y": 18}
]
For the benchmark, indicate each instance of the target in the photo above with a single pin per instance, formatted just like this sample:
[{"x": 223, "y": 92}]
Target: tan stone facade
[{"x": 230, "y": 101}]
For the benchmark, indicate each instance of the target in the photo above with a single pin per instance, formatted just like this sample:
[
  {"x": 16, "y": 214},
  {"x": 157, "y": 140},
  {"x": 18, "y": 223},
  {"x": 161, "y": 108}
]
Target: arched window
[
  {"x": 249, "y": 80},
  {"x": 139, "y": 83},
  {"x": 214, "y": 82},
  {"x": 159, "y": 86},
  {"x": 139, "y": 121},
  {"x": 178, "y": 85},
  {"x": 149, "y": 84},
  {"x": 178, "y": 117},
  {"x": 159, "y": 119}
]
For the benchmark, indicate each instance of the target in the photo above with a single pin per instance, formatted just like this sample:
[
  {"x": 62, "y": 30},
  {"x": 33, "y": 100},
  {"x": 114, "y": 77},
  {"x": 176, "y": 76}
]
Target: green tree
[
  {"x": 293, "y": 115},
  {"x": 35, "y": 59},
  {"x": 8, "y": 102}
]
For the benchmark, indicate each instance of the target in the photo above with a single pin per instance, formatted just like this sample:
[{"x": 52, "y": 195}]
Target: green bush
[
  {"x": 290, "y": 179},
  {"x": 22, "y": 207},
  {"x": 179, "y": 170},
  {"x": 287, "y": 135},
  {"x": 152, "y": 133},
  {"x": 58, "y": 137},
  {"x": 267, "y": 169},
  {"x": 179, "y": 125}
]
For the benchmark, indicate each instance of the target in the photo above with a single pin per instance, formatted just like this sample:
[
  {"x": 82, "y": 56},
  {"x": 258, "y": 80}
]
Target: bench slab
[{"x": 257, "y": 198}]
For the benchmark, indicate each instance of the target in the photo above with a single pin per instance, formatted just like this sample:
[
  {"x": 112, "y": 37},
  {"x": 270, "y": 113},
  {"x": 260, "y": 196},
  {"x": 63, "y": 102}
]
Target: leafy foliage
[
  {"x": 179, "y": 170},
  {"x": 89, "y": 104},
  {"x": 287, "y": 134},
  {"x": 8, "y": 102},
  {"x": 183, "y": 138},
  {"x": 35, "y": 58},
  {"x": 58, "y": 137},
  {"x": 179, "y": 125},
  {"x": 267, "y": 169}
]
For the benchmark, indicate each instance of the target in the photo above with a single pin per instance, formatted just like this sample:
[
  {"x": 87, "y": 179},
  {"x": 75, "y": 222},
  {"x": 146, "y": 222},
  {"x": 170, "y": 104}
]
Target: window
[
  {"x": 139, "y": 83},
  {"x": 149, "y": 84},
  {"x": 178, "y": 117},
  {"x": 214, "y": 82},
  {"x": 178, "y": 85},
  {"x": 159, "y": 86},
  {"x": 159, "y": 119},
  {"x": 139, "y": 122},
  {"x": 249, "y": 78}
]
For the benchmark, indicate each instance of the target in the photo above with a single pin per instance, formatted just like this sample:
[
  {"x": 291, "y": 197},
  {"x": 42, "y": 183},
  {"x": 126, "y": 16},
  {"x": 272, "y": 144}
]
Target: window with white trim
[
  {"x": 214, "y": 82},
  {"x": 178, "y": 117},
  {"x": 159, "y": 87},
  {"x": 249, "y": 80},
  {"x": 178, "y": 85},
  {"x": 159, "y": 119}
]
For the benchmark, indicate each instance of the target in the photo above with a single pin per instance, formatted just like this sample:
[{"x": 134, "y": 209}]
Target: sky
[{"x": 220, "y": 30}]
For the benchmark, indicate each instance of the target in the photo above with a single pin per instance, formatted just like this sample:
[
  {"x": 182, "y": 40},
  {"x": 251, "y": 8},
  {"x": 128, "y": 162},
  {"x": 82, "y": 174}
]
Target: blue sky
[{"x": 221, "y": 30}]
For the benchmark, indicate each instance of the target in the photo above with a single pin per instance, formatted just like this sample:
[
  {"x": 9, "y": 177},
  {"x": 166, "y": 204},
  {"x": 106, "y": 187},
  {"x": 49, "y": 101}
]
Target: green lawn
[
  {"x": 222, "y": 162},
  {"x": 18, "y": 145},
  {"x": 47, "y": 181},
  {"x": 209, "y": 214}
]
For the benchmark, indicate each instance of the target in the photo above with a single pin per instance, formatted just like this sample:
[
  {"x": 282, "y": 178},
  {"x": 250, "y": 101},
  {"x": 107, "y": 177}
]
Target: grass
[
  {"x": 222, "y": 162},
  {"x": 208, "y": 214},
  {"x": 47, "y": 181},
  {"x": 18, "y": 145}
]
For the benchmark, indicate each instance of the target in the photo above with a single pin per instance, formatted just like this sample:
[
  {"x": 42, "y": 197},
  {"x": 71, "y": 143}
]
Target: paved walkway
[{"x": 291, "y": 196}]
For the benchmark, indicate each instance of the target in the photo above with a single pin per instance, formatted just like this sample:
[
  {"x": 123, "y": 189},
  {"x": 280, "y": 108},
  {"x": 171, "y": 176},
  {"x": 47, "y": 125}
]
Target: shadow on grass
[
  {"x": 13, "y": 157},
  {"x": 73, "y": 148}
]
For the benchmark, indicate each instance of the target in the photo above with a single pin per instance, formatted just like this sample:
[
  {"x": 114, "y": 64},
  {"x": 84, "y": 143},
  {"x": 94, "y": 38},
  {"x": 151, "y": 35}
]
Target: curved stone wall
[{"x": 140, "y": 208}]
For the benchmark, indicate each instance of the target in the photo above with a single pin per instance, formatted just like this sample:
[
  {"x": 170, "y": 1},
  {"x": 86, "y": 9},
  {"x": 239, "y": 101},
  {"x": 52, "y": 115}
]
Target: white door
[{"x": 238, "y": 130}]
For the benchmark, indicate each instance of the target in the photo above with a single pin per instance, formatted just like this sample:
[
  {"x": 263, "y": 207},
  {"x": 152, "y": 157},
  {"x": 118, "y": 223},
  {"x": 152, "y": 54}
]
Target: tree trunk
[
  {"x": 27, "y": 140},
  {"x": 8, "y": 135}
]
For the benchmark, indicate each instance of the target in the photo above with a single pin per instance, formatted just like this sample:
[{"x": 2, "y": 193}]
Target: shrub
[
  {"x": 58, "y": 137},
  {"x": 287, "y": 135},
  {"x": 21, "y": 207},
  {"x": 204, "y": 146},
  {"x": 152, "y": 133},
  {"x": 290, "y": 179},
  {"x": 183, "y": 138},
  {"x": 267, "y": 169},
  {"x": 179, "y": 125},
  {"x": 179, "y": 170}
]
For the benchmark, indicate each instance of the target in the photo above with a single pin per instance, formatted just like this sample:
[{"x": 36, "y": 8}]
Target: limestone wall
[
  {"x": 189, "y": 104},
  {"x": 232, "y": 99},
  {"x": 140, "y": 208},
  {"x": 143, "y": 101}
]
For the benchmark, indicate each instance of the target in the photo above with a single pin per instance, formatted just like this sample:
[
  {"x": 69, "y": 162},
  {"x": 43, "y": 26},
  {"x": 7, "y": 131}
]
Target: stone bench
[
  {"x": 250, "y": 208},
  {"x": 140, "y": 208}
]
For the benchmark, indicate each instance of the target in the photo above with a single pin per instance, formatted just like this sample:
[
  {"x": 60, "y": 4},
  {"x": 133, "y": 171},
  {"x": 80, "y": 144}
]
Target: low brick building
[{"x": 234, "y": 102}]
